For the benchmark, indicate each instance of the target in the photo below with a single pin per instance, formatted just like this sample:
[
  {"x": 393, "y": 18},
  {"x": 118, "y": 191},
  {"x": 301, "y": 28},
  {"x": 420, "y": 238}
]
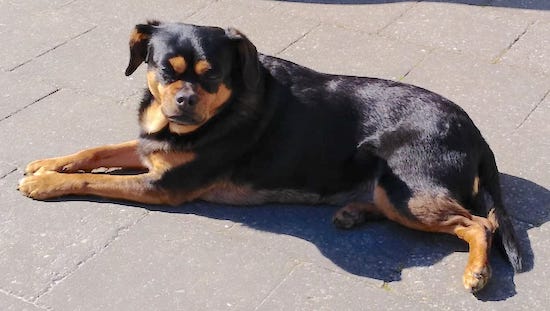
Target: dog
[{"x": 223, "y": 123}]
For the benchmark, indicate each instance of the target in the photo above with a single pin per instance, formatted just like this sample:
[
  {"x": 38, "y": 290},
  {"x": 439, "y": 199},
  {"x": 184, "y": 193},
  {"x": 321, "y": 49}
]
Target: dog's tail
[{"x": 505, "y": 234}]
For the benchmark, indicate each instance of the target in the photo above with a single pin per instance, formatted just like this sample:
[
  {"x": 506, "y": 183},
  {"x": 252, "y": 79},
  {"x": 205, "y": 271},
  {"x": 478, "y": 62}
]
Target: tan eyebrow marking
[
  {"x": 202, "y": 66},
  {"x": 178, "y": 64}
]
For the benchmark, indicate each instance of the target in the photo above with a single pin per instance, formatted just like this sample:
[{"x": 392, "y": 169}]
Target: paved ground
[{"x": 63, "y": 89}]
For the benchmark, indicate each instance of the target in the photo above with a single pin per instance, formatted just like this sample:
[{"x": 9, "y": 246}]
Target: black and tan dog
[{"x": 222, "y": 123}]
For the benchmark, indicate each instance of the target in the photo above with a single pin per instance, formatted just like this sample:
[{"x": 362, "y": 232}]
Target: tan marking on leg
[
  {"x": 178, "y": 64},
  {"x": 441, "y": 214},
  {"x": 136, "y": 188},
  {"x": 475, "y": 187},
  {"x": 122, "y": 155},
  {"x": 160, "y": 162},
  {"x": 477, "y": 271}
]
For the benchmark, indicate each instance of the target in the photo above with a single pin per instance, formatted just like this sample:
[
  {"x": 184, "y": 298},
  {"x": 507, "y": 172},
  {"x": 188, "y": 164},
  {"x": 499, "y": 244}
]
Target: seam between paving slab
[
  {"x": 32, "y": 103},
  {"x": 532, "y": 110},
  {"x": 396, "y": 19},
  {"x": 276, "y": 287},
  {"x": 10, "y": 294},
  {"x": 121, "y": 231},
  {"x": 13, "y": 170},
  {"x": 298, "y": 39},
  {"x": 52, "y": 48},
  {"x": 498, "y": 58},
  {"x": 209, "y": 4}
]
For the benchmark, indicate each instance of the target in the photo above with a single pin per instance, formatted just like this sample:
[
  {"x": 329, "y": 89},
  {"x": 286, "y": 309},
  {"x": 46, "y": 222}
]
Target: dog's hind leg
[{"x": 440, "y": 213}]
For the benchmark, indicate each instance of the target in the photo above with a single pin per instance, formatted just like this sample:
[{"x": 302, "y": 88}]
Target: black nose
[{"x": 186, "y": 99}]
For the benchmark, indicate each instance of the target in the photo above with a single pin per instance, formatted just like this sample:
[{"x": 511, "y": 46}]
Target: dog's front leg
[
  {"x": 143, "y": 188},
  {"x": 137, "y": 188},
  {"x": 123, "y": 155}
]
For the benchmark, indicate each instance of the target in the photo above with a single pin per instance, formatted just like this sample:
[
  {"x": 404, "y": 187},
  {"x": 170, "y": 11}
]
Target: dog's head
[{"x": 192, "y": 72}]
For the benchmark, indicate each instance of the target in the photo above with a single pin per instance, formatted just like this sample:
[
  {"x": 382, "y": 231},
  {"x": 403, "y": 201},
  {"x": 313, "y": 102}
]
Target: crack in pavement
[
  {"x": 509, "y": 47},
  {"x": 52, "y": 49},
  {"x": 27, "y": 106},
  {"x": 298, "y": 39},
  {"x": 15, "y": 296},
  {"x": 121, "y": 231},
  {"x": 532, "y": 110}
]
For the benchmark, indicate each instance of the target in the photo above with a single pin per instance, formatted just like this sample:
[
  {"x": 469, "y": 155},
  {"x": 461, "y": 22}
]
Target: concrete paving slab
[
  {"x": 173, "y": 263},
  {"x": 6, "y": 169},
  {"x": 532, "y": 49},
  {"x": 532, "y": 290},
  {"x": 121, "y": 15},
  {"x": 20, "y": 91},
  {"x": 323, "y": 49},
  {"x": 22, "y": 28},
  {"x": 482, "y": 31},
  {"x": 361, "y": 16},
  {"x": 42, "y": 129},
  {"x": 11, "y": 303},
  {"x": 337, "y": 292},
  {"x": 527, "y": 148},
  {"x": 42, "y": 243},
  {"x": 497, "y": 97},
  {"x": 287, "y": 26},
  {"x": 93, "y": 63}
]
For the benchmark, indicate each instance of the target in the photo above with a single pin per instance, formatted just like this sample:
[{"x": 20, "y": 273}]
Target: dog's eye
[
  {"x": 211, "y": 76},
  {"x": 166, "y": 76}
]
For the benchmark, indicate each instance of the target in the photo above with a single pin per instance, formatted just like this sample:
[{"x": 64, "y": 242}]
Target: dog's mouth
[{"x": 184, "y": 119}]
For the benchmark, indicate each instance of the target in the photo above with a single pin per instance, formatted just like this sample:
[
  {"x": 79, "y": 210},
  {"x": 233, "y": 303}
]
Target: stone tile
[
  {"x": 531, "y": 285},
  {"x": 328, "y": 49},
  {"x": 123, "y": 15},
  {"x": 504, "y": 291},
  {"x": 63, "y": 123},
  {"x": 6, "y": 169},
  {"x": 375, "y": 253},
  {"x": 21, "y": 28},
  {"x": 93, "y": 63},
  {"x": 170, "y": 262},
  {"x": 11, "y": 303},
  {"x": 285, "y": 26},
  {"x": 20, "y": 91},
  {"x": 532, "y": 49},
  {"x": 321, "y": 289},
  {"x": 43, "y": 242},
  {"x": 360, "y": 16},
  {"x": 527, "y": 149},
  {"x": 497, "y": 97},
  {"x": 483, "y": 31}
]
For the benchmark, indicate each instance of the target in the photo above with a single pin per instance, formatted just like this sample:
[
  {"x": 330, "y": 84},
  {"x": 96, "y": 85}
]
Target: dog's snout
[{"x": 186, "y": 98}]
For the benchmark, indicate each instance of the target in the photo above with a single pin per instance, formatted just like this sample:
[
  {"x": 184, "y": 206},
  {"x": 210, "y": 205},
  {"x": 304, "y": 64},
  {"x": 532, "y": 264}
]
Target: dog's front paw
[
  {"x": 61, "y": 164},
  {"x": 475, "y": 278},
  {"x": 44, "y": 186}
]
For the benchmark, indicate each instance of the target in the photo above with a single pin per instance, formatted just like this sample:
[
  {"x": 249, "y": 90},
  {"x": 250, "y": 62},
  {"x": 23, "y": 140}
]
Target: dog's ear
[
  {"x": 139, "y": 43},
  {"x": 248, "y": 58}
]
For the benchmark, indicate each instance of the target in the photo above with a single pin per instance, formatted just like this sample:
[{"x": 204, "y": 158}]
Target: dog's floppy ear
[
  {"x": 248, "y": 58},
  {"x": 139, "y": 42}
]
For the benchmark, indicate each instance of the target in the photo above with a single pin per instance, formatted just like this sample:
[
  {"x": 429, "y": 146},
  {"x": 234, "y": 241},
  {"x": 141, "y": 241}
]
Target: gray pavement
[{"x": 63, "y": 89}]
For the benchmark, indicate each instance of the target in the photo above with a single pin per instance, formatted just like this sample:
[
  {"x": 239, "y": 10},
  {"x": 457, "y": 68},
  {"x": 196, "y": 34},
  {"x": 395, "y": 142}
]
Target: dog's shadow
[{"x": 381, "y": 250}]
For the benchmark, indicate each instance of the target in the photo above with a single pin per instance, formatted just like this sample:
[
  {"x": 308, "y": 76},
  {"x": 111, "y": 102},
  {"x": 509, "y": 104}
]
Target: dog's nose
[{"x": 184, "y": 98}]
